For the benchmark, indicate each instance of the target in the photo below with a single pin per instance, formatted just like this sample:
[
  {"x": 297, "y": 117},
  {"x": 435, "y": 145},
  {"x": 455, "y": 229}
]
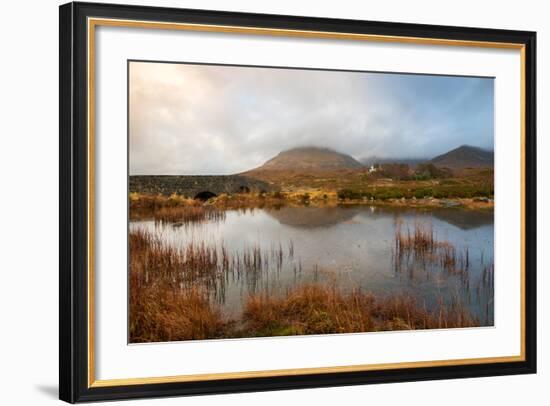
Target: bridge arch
[{"x": 205, "y": 195}]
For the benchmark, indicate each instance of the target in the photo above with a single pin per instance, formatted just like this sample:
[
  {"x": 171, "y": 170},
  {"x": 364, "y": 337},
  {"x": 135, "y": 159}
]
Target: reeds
[
  {"x": 485, "y": 289},
  {"x": 158, "y": 313},
  {"x": 245, "y": 201},
  {"x": 420, "y": 241},
  {"x": 323, "y": 309},
  {"x": 152, "y": 202},
  {"x": 419, "y": 252},
  {"x": 172, "y": 209},
  {"x": 170, "y": 291},
  {"x": 198, "y": 263},
  {"x": 182, "y": 215},
  {"x": 421, "y": 245},
  {"x": 176, "y": 292}
]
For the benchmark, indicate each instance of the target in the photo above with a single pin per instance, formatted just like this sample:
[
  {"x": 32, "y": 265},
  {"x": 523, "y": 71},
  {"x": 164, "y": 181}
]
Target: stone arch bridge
[{"x": 201, "y": 187}]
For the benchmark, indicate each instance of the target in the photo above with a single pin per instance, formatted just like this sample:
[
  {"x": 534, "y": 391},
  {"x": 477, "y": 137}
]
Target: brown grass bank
[
  {"x": 177, "y": 208},
  {"x": 166, "y": 315},
  {"x": 160, "y": 314},
  {"x": 322, "y": 309}
]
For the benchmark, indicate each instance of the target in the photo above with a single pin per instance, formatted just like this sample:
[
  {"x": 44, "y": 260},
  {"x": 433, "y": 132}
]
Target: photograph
[
  {"x": 286, "y": 201},
  {"x": 259, "y": 200}
]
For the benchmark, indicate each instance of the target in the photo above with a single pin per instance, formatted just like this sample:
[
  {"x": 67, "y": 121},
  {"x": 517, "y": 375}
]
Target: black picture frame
[{"x": 73, "y": 255}]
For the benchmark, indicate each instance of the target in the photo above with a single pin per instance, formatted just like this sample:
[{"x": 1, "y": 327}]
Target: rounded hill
[
  {"x": 310, "y": 159},
  {"x": 465, "y": 156}
]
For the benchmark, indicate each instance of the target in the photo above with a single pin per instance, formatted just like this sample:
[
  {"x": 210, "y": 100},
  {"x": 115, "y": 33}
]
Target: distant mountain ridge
[
  {"x": 372, "y": 160},
  {"x": 310, "y": 159},
  {"x": 465, "y": 156},
  {"x": 314, "y": 159}
]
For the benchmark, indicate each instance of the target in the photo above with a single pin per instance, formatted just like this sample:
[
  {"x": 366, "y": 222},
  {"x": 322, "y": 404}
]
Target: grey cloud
[{"x": 198, "y": 119}]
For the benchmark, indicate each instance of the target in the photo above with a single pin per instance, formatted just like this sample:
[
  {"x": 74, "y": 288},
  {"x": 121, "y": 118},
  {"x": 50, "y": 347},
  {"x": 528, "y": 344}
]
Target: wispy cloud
[{"x": 199, "y": 119}]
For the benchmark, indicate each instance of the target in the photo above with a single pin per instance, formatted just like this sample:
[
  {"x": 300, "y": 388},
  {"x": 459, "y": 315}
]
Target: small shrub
[{"x": 349, "y": 194}]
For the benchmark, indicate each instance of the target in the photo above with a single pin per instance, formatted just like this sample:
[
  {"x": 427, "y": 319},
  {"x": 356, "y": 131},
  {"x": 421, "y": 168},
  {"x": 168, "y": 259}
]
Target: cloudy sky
[{"x": 198, "y": 119}]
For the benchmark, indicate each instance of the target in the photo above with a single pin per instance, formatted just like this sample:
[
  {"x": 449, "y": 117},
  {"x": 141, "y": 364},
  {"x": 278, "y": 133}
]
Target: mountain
[
  {"x": 465, "y": 156},
  {"x": 309, "y": 159}
]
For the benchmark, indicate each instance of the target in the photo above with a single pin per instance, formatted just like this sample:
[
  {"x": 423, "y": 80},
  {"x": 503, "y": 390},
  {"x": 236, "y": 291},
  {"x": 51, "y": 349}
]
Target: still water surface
[{"x": 350, "y": 246}]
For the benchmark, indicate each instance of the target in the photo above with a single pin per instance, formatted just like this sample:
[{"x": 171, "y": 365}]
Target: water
[{"x": 351, "y": 246}]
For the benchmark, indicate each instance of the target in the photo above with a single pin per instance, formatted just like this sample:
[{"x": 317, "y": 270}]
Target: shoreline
[
  {"x": 319, "y": 199},
  {"x": 455, "y": 203}
]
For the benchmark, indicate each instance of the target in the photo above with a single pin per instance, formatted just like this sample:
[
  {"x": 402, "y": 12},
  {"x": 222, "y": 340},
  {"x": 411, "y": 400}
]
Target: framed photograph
[{"x": 258, "y": 202}]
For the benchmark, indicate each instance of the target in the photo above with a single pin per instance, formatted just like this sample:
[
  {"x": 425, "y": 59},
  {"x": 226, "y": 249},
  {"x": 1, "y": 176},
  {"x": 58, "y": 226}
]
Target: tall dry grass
[
  {"x": 245, "y": 201},
  {"x": 172, "y": 209},
  {"x": 170, "y": 291},
  {"x": 144, "y": 205},
  {"x": 419, "y": 240},
  {"x": 188, "y": 214},
  {"x": 153, "y": 263},
  {"x": 323, "y": 309},
  {"x": 140, "y": 201},
  {"x": 421, "y": 244},
  {"x": 419, "y": 249},
  {"x": 158, "y": 313}
]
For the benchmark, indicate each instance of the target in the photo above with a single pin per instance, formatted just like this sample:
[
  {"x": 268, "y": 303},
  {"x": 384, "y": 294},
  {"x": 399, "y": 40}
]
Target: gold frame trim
[{"x": 94, "y": 22}]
